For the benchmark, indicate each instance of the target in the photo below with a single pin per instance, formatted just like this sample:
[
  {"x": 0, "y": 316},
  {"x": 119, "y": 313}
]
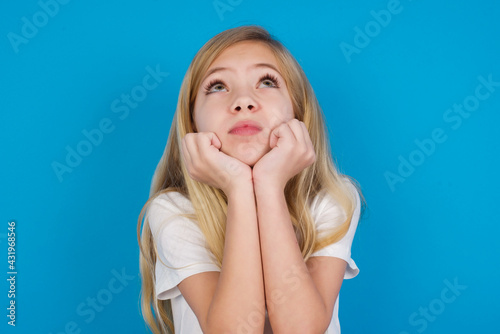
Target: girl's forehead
[{"x": 245, "y": 51}]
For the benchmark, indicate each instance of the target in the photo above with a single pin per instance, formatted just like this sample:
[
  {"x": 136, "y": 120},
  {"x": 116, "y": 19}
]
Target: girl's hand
[
  {"x": 291, "y": 152},
  {"x": 205, "y": 163}
]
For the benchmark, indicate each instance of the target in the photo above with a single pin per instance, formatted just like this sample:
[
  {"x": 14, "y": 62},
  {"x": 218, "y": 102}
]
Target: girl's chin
[
  {"x": 249, "y": 154},
  {"x": 249, "y": 159}
]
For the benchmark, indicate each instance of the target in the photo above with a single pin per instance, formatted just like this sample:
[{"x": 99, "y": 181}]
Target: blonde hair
[{"x": 209, "y": 203}]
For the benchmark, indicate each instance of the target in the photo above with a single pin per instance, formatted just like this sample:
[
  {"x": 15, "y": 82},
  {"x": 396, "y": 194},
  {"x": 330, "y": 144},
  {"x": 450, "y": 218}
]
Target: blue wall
[{"x": 411, "y": 91}]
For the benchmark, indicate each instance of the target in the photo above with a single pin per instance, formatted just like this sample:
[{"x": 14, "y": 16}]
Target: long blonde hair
[{"x": 209, "y": 203}]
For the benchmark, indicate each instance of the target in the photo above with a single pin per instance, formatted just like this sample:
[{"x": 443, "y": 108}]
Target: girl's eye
[
  {"x": 270, "y": 81},
  {"x": 214, "y": 86},
  {"x": 266, "y": 81}
]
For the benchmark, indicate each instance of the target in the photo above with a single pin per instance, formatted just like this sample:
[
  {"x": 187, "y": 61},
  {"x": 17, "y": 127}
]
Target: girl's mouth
[{"x": 247, "y": 130}]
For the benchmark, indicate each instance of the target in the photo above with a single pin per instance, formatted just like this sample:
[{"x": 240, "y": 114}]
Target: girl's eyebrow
[
  {"x": 267, "y": 65},
  {"x": 218, "y": 69}
]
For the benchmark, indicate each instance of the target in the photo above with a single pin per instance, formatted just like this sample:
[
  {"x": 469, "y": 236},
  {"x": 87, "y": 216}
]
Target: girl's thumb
[
  {"x": 215, "y": 141},
  {"x": 273, "y": 139}
]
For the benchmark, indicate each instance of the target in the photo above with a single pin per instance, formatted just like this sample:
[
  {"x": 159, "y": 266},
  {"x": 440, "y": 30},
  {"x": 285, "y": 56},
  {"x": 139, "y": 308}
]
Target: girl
[{"x": 249, "y": 225}]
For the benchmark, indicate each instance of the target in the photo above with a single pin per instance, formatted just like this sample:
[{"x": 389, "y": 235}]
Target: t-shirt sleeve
[
  {"x": 180, "y": 244},
  {"x": 328, "y": 214}
]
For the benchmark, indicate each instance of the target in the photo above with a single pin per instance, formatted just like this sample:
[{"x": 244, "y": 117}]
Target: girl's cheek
[
  {"x": 263, "y": 136},
  {"x": 281, "y": 114}
]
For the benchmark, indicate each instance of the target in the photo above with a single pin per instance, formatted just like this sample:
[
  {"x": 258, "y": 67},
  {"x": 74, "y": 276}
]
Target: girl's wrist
[
  {"x": 266, "y": 186},
  {"x": 265, "y": 181},
  {"x": 241, "y": 187}
]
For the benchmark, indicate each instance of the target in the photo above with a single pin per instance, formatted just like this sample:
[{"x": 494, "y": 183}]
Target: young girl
[{"x": 249, "y": 225}]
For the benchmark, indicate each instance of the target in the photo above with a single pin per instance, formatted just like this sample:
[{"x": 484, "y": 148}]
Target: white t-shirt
[{"x": 181, "y": 243}]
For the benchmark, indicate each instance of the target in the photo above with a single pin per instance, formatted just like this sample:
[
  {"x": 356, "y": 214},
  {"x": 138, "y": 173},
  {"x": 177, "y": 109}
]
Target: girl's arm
[
  {"x": 300, "y": 296},
  {"x": 233, "y": 300}
]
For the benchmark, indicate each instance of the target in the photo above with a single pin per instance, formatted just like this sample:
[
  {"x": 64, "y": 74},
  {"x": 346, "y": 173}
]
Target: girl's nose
[
  {"x": 250, "y": 107},
  {"x": 245, "y": 102}
]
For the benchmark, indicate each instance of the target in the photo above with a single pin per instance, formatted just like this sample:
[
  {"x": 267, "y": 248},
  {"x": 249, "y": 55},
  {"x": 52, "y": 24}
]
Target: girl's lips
[
  {"x": 246, "y": 130},
  {"x": 245, "y": 127}
]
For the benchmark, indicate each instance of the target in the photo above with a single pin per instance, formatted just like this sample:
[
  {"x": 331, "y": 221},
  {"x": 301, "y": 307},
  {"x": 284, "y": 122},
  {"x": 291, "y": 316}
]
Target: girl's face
[{"x": 243, "y": 84}]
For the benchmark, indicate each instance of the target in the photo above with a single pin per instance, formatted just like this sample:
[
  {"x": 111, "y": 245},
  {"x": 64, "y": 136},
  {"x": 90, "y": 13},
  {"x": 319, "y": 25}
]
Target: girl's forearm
[
  {"x": 239, "y": 300},
  {"x": 294, "y": 304}
]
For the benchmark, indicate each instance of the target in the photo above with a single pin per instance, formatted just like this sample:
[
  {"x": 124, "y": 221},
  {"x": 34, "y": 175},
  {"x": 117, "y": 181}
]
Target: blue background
[{"x": 433, "y": 227}]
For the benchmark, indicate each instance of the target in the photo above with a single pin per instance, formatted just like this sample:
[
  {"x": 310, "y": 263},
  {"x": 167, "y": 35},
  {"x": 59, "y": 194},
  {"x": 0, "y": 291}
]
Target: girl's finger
[
  {"x": 192, "y": 147},
  {"x": 273, "y": 137},
  {"x": 297, "y": 131},
  {"x": 307, "y": 136},
  {"x": 205, "y": 143},
  {"x": 208, "y": 141},
  {"x": 278, "y": 132},
  {"x": 215, "y": 140},
  {"x": 185, "y": 153}
]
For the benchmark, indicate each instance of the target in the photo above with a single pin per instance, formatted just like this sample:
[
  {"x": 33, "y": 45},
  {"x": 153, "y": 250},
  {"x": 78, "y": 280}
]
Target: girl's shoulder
[
  {"x": 324, "y": 206},
  {"x": 169, "y": 214},
  {"x": 173, "y": 201}
]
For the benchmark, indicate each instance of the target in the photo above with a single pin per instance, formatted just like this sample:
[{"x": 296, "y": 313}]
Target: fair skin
[{"x": 262, "y": 266}]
